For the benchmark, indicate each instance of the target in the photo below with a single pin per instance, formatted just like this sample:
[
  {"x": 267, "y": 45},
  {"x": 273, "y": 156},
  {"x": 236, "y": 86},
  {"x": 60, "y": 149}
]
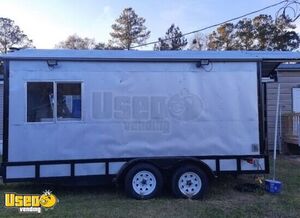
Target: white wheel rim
[
  {"x": 144, "y": 182},
  {"x": 189, "y": 184}
]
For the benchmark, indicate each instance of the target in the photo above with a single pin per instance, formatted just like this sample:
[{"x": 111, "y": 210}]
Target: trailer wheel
[
  {"x": 189, "y": 182},
  {"x": 143, "y": 181}
]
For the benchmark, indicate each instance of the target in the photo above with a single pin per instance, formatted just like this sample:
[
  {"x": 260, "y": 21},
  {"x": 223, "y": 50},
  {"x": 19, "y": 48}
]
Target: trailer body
[{"x": 80, "y": 114}]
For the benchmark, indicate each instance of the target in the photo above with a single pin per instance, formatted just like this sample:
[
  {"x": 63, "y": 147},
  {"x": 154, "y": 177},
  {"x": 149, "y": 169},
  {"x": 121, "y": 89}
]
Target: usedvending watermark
[
  {"x": 146, "y": 113},
  {"x": 30, "y": 203}
]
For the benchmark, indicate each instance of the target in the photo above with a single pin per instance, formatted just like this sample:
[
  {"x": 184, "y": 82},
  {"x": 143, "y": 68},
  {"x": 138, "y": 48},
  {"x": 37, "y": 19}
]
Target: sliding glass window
[{"x": 48, "y": 101}]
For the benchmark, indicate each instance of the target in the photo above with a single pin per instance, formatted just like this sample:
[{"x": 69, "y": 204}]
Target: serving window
[
  {"x": 51, "y": 101},
  {"x": 39, "y": 101},
  {"x": 68, "y": 101}
]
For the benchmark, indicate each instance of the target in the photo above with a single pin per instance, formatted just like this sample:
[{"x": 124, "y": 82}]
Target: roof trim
[
  {"x": 130, "y": 59},
  {"x": 150, "y": 56}
]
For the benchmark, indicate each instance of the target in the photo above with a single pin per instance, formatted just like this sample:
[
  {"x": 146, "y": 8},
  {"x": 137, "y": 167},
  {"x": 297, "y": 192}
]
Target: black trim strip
[
  {"x": 37, "y": 171},
  {"x": 266, "y": 141},
  {"x": 106, "y": 167},
  {"x": 261, "y": 126},
  {"x": 217, "y": 165},
  {"x": 72, "y": 169},
  {"x": 238, "y": 164},
  {"x": 267, "y": 164},
  {"x": 49, "y": 162},
  {"x": 5, "y": 113}
]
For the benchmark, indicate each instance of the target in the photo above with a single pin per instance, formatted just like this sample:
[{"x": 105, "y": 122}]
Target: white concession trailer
[{"x": 145, "y": 118}]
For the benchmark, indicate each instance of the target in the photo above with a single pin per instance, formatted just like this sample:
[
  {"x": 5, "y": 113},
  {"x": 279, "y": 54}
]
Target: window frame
[{"x": 54, "y": 119}]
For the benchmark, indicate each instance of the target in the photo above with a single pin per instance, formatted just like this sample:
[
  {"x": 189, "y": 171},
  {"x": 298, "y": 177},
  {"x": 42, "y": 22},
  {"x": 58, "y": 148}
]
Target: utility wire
[{"x": 214, "y": 25}]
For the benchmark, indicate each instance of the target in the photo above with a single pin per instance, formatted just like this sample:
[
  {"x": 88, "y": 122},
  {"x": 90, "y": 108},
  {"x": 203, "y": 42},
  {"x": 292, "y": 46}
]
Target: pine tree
[
  {"x": 129, "y": 30},
  {"x": 173, "y": 40}
]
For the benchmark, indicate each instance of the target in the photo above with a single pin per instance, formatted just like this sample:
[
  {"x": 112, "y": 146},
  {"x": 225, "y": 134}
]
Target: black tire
[
  {"x": 137, "y": 171},
  {"x": 192, "y": 186}
]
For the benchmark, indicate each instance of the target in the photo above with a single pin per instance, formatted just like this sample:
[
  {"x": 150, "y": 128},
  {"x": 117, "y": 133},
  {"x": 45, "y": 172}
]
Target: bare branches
[{"x": 12, "y": 36}]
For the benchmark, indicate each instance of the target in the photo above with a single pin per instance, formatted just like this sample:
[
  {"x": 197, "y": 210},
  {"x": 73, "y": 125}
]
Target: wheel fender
[
  {"x": 127, "y": 166},
  {"x": 199, "y": 163}
]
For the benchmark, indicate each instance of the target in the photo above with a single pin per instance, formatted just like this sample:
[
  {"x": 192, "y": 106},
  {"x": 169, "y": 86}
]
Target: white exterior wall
[{"x": 200, "y": 113}]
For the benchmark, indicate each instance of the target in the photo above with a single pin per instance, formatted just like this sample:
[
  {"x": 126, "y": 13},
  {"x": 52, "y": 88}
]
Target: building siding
[{"x": 288, "y": 81}]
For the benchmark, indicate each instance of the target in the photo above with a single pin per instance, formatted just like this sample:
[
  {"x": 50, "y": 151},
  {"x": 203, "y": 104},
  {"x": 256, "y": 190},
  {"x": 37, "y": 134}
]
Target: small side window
[
  {"x": 39, "y": 101},
  {"x": 69, "y": 101}
]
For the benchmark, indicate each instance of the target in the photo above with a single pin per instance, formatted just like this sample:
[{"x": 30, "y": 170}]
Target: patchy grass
[{"x": 222, "y": 200}]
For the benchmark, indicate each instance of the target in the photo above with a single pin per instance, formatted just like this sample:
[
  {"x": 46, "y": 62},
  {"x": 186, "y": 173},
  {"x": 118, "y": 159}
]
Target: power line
[{"x": 215, "y": 25}]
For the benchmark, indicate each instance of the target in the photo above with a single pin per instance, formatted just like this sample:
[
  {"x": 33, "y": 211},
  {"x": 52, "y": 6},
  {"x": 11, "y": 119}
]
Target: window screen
[
  {"x": 68, "y": 101},
  {"x": 39, "y": 101}
]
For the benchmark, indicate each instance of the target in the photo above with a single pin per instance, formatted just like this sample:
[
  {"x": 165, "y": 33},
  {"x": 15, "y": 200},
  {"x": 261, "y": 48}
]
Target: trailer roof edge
[{"x": 148, "y": 56}]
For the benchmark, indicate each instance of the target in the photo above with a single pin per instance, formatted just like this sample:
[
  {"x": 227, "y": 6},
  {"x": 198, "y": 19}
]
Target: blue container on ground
[{"x": 273, "y": 186}]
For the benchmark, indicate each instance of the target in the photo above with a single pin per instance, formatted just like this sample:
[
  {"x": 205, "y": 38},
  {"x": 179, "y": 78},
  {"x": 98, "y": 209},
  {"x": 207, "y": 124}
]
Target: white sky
[{"x": 48, "y": 22}]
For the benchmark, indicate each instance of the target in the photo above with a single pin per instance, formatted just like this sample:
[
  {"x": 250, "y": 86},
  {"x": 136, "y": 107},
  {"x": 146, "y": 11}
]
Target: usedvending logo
[
  {"x": 185, "y": 106},
  {"x": 146, "y": 112},
  {"x": 31, "y": 203}
]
